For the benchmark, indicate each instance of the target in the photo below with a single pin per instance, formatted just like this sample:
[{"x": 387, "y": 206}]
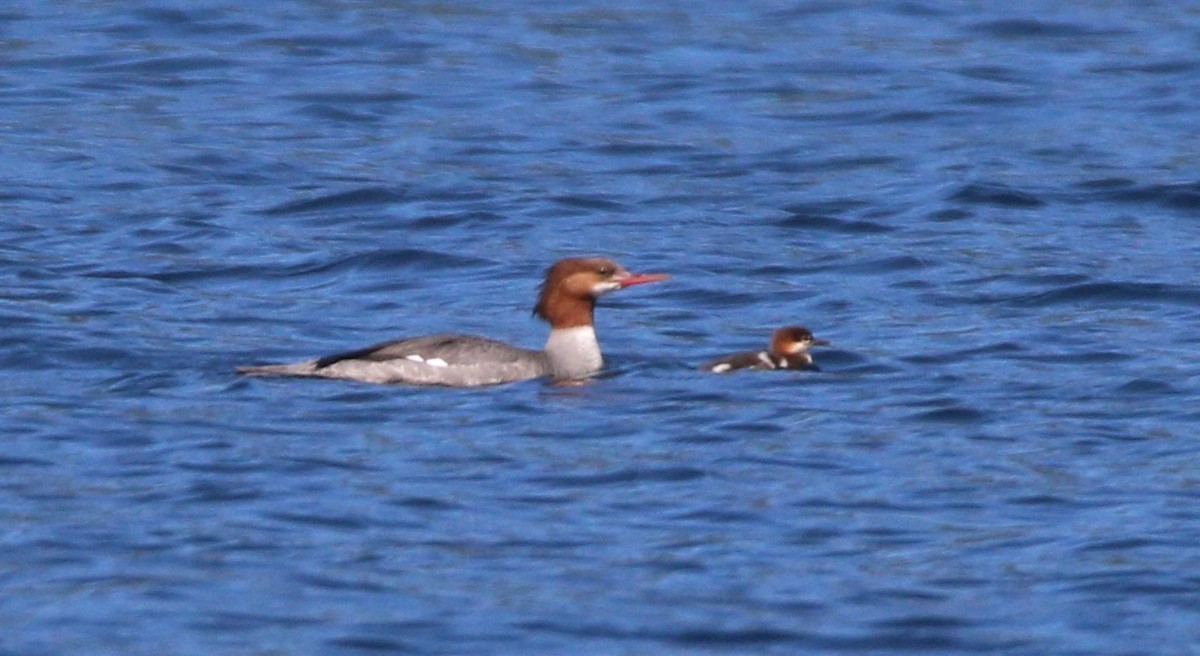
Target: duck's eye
[{"x": 605, "y": 271}]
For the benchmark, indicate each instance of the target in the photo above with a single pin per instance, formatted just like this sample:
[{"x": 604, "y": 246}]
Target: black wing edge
[
  {"x": 357, "y": 354},
  {"x": 377, "y": 352}
]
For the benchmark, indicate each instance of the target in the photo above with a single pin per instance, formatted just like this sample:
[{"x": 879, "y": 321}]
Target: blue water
[{"x": 991, "y": 210}]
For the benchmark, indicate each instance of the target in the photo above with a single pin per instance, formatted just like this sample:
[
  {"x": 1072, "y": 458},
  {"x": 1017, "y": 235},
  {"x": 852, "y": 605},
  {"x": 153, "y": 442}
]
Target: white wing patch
[
  {"x": 433, "y": 362},
  {"x": 722, "y": 368},
  {"x": 765, "y": 358}
]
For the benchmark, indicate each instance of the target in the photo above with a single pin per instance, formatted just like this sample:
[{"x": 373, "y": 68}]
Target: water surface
[{"x": 990, "y": 211}]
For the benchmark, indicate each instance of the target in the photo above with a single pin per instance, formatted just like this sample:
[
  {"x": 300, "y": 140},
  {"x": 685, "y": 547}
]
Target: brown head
[
  {"x": 791, "y": 340},
  {"x": 571, "y": 287}
]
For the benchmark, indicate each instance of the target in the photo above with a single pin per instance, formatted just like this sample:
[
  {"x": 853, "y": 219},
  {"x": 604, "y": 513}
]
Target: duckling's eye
[{"x": 605, "y": 271}]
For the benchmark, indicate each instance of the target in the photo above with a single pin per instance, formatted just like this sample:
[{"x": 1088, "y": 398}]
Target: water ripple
[
  {"x": 1019, "y": 28},
  {"x": 647, "y": 475},
  {"x": 995, "y": 194},
  {"x": 832, "y": 224},
  {"x": 362, "y": 197},
  {"x": 1177, "y": 196}
]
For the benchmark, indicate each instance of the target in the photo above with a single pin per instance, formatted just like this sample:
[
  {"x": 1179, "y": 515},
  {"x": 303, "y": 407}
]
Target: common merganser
[
  {"x": 788, "y": 350},
  {"x": 566, "y": 301}
]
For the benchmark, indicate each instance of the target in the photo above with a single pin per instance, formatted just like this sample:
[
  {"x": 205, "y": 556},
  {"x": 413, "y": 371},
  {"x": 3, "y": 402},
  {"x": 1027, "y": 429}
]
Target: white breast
[{"x": 573, "y": 352}]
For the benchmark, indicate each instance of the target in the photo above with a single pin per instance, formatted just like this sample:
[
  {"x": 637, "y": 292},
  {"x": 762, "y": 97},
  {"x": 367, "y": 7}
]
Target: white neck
[{"x": 573, "y": 352}]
